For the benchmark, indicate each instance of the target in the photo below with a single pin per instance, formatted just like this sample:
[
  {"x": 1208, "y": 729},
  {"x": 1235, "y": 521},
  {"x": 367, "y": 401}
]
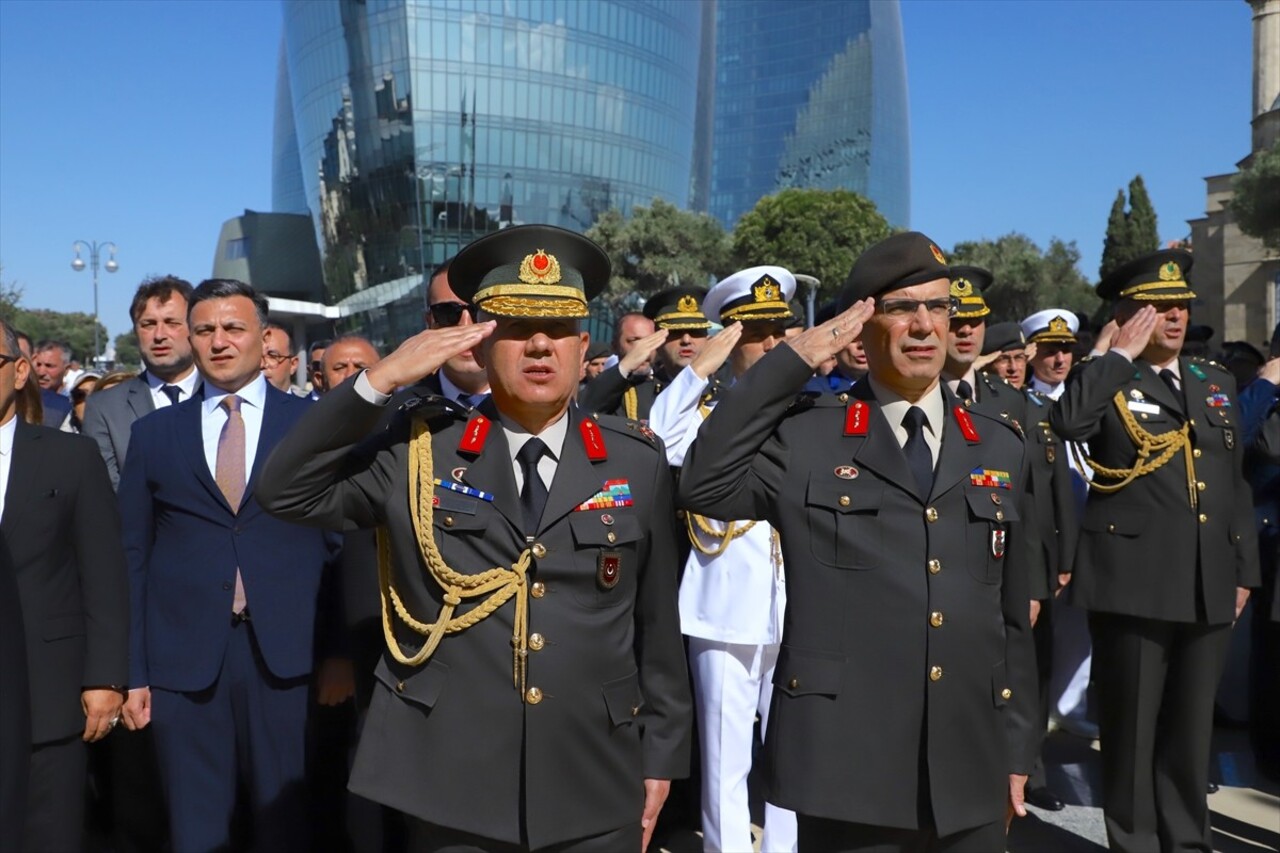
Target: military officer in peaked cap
[
  {"x": 533, "y": 692},
  {"x": 1053, "y": 331},
  {"x": 1007, "y": 348},
  {"x": 1166, "y": 556},
  {"x": 904, "y": 698},
  {"x": 677, "y": 312}
]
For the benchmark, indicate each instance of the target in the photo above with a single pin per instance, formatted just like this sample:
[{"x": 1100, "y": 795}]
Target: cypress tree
[
  {"x": 1144, "y": 237},
  {"x": 1117, "y": 239}
]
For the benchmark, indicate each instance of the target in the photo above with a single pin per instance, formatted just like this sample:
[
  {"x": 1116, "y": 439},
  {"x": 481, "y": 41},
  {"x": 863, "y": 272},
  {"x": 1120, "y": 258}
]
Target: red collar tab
[
  {"x": 474, "y": 436},
  {"x": 593, "y": 440},
  {"x": 966, "y": 425},
  {"x": 857, "y": 417}
]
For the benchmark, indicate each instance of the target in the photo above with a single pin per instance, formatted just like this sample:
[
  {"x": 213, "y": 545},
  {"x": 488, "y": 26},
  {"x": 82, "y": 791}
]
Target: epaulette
[
  {"x": 806, "y": 400},
  {"x": 433, "y": 407},
  {"x": 1004, "y": 418},
  {"x": 1199, "y": 360},
  {"x": 1036, "y": 397},
  {"x": 626, "y": 426},
  {"x": 712, "y": 390}
]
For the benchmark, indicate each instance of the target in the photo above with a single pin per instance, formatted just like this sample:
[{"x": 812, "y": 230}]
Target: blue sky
[{"x": 148, "y": 123}]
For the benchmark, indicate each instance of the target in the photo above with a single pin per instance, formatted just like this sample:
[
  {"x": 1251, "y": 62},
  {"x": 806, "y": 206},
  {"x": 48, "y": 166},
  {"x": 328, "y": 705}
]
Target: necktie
[
  {"x": 1172, "y": 381},
  {"x": 229, "y": 473},
  {"x": 533, "y": 497},
  {"x": 465, "y": 399},
  {"x": 172, "y": 392},
  {"x": 963, "y": 390},
  {"x": 919, "y": 459}
]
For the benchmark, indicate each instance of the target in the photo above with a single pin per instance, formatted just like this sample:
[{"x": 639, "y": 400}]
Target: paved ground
[{"x": 1246, "y": 811}]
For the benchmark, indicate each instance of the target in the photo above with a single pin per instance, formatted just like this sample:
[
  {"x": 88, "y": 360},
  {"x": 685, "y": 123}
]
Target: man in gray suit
[{"x": 159, "y": 314}]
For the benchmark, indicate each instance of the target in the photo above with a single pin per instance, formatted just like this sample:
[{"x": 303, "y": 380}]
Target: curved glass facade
[
  {"x": 421, "y": 124},
  {"x": 810, "y": 93}
]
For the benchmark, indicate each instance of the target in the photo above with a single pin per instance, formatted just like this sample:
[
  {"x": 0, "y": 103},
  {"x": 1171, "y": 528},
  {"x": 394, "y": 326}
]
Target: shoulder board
[
  {"x": 1036, "y": 397},
  {"x": 1208, "y": 362},
  {"x": 433, "y": 406},
  {"x": 626, "y": 426},
  {"x": 983, "y": 411},
  {"x": 809, "y": 399}
]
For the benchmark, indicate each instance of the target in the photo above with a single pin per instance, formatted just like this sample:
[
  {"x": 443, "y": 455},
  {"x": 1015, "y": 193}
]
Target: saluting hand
[
  {"x": 642, "y": 353},
  {"x": 820, "y": 343},
  {"x": 423, "y": 354},
  {"x": 1135, "y": 333},
  {"x": 716, "y": 351},
  {"x": 1270, "y": 371}
]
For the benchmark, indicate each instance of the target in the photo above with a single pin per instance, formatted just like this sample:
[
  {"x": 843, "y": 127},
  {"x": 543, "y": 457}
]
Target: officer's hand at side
[
  {"x": 1035, "y": 612},
  {"x": 655, "y": 794},
  {"x": 1242, "y": 598},
  {"x": 1270, "y": 371},
  {"x": 637, "y": 361},
  {"x": 1016, "y": 805},
  {"x": 423, "y": 354},
  {"x": 716, "y": 351},
  {"x": 820, "y": 343},
  {"x": 1135, "y": 333},
  {"x": 336, "y": 681},
  {"x": 101, "y": 711},
  {"x": 1064, "y": 578}
]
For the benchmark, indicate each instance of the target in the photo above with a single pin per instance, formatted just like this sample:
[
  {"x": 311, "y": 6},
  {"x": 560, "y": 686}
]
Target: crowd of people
[{"x": 502, "y": 587}]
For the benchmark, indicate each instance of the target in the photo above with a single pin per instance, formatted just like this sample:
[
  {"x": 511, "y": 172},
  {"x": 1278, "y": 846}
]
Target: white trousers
[
  {"x": 733, "y": 682},
  {"x": 1072, "y": 662}
]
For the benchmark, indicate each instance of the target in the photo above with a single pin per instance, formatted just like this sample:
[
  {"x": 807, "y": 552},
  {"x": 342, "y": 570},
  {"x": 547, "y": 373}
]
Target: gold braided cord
[
  {"x": 536, "y": 289},
  {"x": 1179, "y": 296},
  {"x": 1153, "y": 452},
  {"x": 731, "y": 532},
  {"x": 498, "y": 584},
  {"x": 515, "y": 306},
  {"x": 1155, "y": 285},
  {"x": 631, "y": 403},
  {"x": 758, "y": 311}
]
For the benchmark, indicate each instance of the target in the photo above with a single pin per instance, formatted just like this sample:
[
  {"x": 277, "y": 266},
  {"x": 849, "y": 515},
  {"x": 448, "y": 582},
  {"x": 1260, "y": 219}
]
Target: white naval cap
[
  {"x": 756, "y": 293},
  {"x": 1052, "y": 325}
]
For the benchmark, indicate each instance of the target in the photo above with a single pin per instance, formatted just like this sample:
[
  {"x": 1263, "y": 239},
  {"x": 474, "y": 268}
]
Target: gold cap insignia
[
  {"x": 962, "y": 287},
  {"x": 937, "y": 254},
  {"x": 1170, "y": 272},
  {"x": 687, "y": 305},
  {"x": 1058, "y": 326},
  {"x": 766, "y": 291},
  {"x": 540, "y": 268}
]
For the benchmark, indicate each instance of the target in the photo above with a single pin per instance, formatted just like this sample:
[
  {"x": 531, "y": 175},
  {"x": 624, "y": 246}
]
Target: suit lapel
[
  {"x": 491, "y": 471},
  {"x": 24, "y": 471},
  {"x": 879, "y": 451},
  {"x": 139, "y": 399},
  {"x": 576, "y": 479},
  {"x": 275, "y": 423},
  {"x": 189, "y": 435}
]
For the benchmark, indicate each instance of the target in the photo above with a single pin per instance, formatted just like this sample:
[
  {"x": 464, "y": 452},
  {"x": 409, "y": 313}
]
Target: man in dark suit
[
  {"x": 221, "y": 646},
  {"x": 904, "y": 698},
  {"x": 459, "y": 378},
  {"x": 15, "y": 706},
  {"x": 1166, "y": 555},
  {"x": 533, "y": 692},
  {"x": 59, "y": 523}
]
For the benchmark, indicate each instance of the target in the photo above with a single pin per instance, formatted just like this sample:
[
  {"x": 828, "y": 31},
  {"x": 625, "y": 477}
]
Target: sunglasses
[{"x": 450, "y": 313}]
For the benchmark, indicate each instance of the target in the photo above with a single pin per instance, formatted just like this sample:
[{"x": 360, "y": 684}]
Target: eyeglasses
[
  {"x": 8, "y": 359},
  {"x": 275, "y": 357},
  {"x": 450, "y": 313},
  {"x": 1012, "y": 358},
  {"x": 903, "y": 310}
]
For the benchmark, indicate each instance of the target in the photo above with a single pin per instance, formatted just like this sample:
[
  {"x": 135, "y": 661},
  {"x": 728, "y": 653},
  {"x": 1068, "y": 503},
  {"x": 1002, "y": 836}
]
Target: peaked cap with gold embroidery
[
  {"x": 756, "y": 293},
  {"x": 678, "y": 309},
  {"x": 1051, "y": 326},
  {"x": 967, "y": 284},
  {"x": 530, "y": 271},
  {"x": 1158, "y": 277}
]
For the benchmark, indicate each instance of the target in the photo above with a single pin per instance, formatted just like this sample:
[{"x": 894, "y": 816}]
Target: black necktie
[
  {"x": 533, "y": 497},
  {"x": 919, "y": 459},
  {"x": 1172, "y": 381},
  {"x": 172, "y": 392},
  {"x": 963, "y": 391}
]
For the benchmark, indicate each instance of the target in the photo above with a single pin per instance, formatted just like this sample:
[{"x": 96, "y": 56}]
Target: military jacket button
[
  {"x": 538, "y": 589},
  {"x": 399, "y": 686},
  {"x": 1006, "y": 694},
  {"x": 844, "y": 500},
  {"x": 612, "y": 537},
  {"x": 448, "y": 521},
  {"x": 935, "y": 566},
  {"x": 533, "y": 696},
  {"x": 1196, "y": 453},
  {"x": 935, "y": 619},
  {"x": 536, "y": 642},
  {"x": 931, "y": 514},
  {"x": 1203, "y": 518},
  {"x": 794, "y": 683},
  {"x": 1200, "y": 486},
  {"x": 539, "y": 550},
  {"x": 935, "y": 673}
]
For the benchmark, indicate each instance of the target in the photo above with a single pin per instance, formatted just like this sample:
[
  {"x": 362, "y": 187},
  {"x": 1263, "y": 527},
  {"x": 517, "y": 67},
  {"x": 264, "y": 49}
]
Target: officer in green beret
[
  {"x": 1007, "y": 350},
  {"x": 533, "y": 690},
  {"x": 1166, "y": 555},
  {"x": 904, "y": 692}
]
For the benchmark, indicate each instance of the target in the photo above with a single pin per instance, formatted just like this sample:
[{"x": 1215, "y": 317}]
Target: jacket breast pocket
[
  {"x": 610, "y": 552},
  {"x": 990, "y": 513},
  {"x": 462, "y": 519},
  {"x": 844, "y": 529}
]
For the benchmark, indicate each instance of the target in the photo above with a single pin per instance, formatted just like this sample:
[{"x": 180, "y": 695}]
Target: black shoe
[
  {"x": 1213, "y": 787},
  {"x": 1043, "y": 798}
]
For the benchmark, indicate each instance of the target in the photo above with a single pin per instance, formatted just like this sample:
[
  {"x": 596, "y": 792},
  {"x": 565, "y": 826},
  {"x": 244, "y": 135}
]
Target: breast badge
[
  {"x": 846, "y": 472},
  {"x": 608, "y": 569},
  {"x": 997, "y": 543}
]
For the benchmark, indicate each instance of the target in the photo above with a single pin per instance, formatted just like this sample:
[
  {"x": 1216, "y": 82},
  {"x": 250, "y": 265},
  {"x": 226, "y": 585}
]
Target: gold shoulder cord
[
  {"x": 631, "y": 403},
  {"x": 730, "y": 533},
  {"x": 1153, "y": 452},
  {"x": 498, "y": 584}
]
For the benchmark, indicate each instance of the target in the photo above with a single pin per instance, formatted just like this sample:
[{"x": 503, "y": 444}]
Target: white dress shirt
[
  {"x": 453, "y": 392},
  {"x": 1053, "y": 392},
  {"x": 6, "y": 457},
  {"x": 895, "y": 408},
  {"x": 187, "y": 385},
  {"x": 212, "y": 417}
]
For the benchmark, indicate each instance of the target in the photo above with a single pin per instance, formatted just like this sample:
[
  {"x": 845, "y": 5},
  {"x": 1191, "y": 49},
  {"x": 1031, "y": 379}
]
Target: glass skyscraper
[{"x": 809, "y": 93}]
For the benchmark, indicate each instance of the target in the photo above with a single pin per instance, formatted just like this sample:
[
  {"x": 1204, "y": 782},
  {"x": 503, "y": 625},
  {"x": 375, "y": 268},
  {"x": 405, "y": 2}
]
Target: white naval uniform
[
  {"x": 1072, "y": 647},
  {"x": 731, "y": 608}
]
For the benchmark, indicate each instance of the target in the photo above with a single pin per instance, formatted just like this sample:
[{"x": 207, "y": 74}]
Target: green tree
[
  {"x": 128, "y": 353},
  {"x": 1027, "y": 279},
  {"x": 1132, "y": 233},
  {"x": 1256, "y": 201},
  {"x": 10, "y": 299},
  {"x": 810, "y": 231},
  {"x": 659, "y": 246},
  {"x": 75, "y": 328}
]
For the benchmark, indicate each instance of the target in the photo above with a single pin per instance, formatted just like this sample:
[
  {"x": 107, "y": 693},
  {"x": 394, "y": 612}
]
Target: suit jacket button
[
  {"x": 539, "y": 550},
  {"x": 935, "y": 566},
  {"x": 931, "y": 514},
  {"x": 538, "y": 589},
  {"x": 533, "y": 696},
  {"x": 935, "y": 619},
  {"x": 935, "y": 673},
  {"x": 536, "y": 642},
  {"x": 1006, "y": 694},
  {"x": 794, "y": 683}
]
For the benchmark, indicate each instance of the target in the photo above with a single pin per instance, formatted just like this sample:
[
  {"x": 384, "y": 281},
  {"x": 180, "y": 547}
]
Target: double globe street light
[{"x": 94, "y": 248}]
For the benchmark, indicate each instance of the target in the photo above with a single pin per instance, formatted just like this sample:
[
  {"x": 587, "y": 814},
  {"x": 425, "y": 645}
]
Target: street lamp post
[
  {"x": 811, "y": 297},
  {"x": 94, "y": 248}
]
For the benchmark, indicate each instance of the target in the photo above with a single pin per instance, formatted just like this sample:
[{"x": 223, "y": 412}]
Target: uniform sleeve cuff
[{"x": 367, "y": 392}]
